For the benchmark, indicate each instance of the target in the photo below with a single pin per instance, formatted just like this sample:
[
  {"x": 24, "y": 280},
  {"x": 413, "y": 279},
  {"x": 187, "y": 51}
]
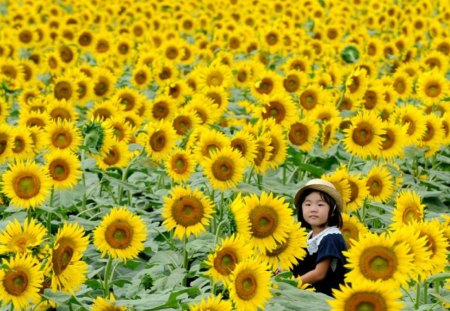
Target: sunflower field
[{"x": 150, "y": 151}]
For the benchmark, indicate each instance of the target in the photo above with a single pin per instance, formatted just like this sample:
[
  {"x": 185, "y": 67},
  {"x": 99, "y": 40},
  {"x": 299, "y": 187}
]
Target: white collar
[{"x": 313, "y": 243}]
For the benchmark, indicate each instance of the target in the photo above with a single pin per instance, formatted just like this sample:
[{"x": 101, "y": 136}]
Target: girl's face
[{"x": 315, "y": 210}]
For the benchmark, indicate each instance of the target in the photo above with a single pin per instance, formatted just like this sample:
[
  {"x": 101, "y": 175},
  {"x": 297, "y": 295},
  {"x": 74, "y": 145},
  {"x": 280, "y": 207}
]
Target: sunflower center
[
  {"x": 19, "y": 145},
  {"x": 187, "y": 211},
  {"x": 240, "y": 145},
  {"x": 215, "y": 97},
  {"x": 265, "y": 86},
  {"x": 370, "y": 99},
  {"x": 27, "y": 186},
  {"x": 158, "y": 141},
  {"x": 225, "y": 261},
  {"x": 429, "y": 133},
  {"x": 101, "y": 87},
  {"x": 172, "y": 52},
  {"x": 15, "y": 282},
  {"x": 308, "y": 100},
  {"x": 431, "y": 244},
  {"x": 378, "y": 262},
  {"x": 272, "y": 38},
  {"x": 388, "y": 139},
  {"x": 366, "y": 301},
  {"x": 3, "y": 142},
  {"x": 223, "y": 169},
  {"x": 349, "y": 231},
  {"x": 433, "y": 89},
  {"x": 242, "y": 76},
  {"x": 25, "y": 36},
  {"x": 63, "y": 90},
  {"x": 102, "y": 46},
  {"x": 180, "y": 164},
  {"x": 61, "y": 140},
  {"x": 215, "y": 79},
  {"x": 354, "y": 84},
  {"x": 275, "y": 110},
  {"x": 160, "y": 110},
  {"x": 363, "y": 134},
  {"x": 411, "y": 214},
  {"x": 59, "y": 170},
  {"x": 264, "y": 221},
  {"x": 279, "y": 249},
  {"x": 62, "y": 256},
  {"x": 291, "y": 83},
  {"x": 354, "y": 191},
  {"x": 275, "y": 144},
  {"x": 260, "y": 154},
  {"x": 182, "y": 124},
  {"x": 112, "y": 157},
  {"x": 119, "y": 234},
  {"x": 375, "y": 185},
  {"x": 66, "y": 54},
  {"x": 246, "y": 285},
  {"x": 140, "y": 77},
  {"x": 128, "y": 100},
  {"x": 85, "y": 39},
  {"x": 400, "y": 86}
]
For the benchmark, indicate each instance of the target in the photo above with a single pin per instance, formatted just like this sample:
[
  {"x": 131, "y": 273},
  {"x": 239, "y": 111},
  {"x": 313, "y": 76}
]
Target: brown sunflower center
[
  {"x": 399, "y": 85},
  {"x": 172, "y": 52},
  {"x": 298, "y": 134},
  {"x": 411, "y": 214},
  {"x": 279, "y": 249},
  {"x": 214, "y": 79},
  {"x": 225, "y": 261},
  {"x": 59, "y": 169},
  {"x": 27, "y": 185},
  {"x": 308, "y": 99},
  {"x": 187, "y": 211},
  {"x": 430, "y": 243},
  {"x": 349, "y": 231},
  {"x": 128, "y": 101},
  {"x": 370, "y": 99},
  {"x": 363, "y": 134},
  {"x": 182, "y": 124},
  {"x": 260, "y": 153},
  {"x": 180, "y": 164},
  {"x": 165, "y": 73},
  {"x": 375, "y": 185},
  {"x": 264, "y": 221},
  {"x": 215, "y": 97},
  {"x": 433, "y": 89},
  {"x": 102, "y": 113},
  {"x": 112, "y": 156},
  {"x": 388, "y": 139},
  {"x": 66, "y": 54},
  {"x": 62, "y": 255},
  {"x": 242, "y": 75},
  {"x": 140, "y": 77},
  {"x": 160, "y": 110},
  {"x": 85, "y": 39},
  {"x": 240, "y": 145},
  {"x": 102, "y": 86},
  {"x": 61, "y": 139},
  {"x": 158, "y": 141},
  {"x": 19, "y": 144},
  {"x": 265, "y": 86},
  {"x": 378, "y": 262},
  {"x": 25, "y": 36},
  {"x": 354, "y": 84},
  {"x": 275, "y": 144},
  {"x": 62, "y": 90},
  {"x": 366, "y": 301},
  {"x": 275, "y": 110},
  {"x": 102, "y": 46},
  {"x": 429, "y": 133},
  {"x": 119, "y": 234},
  {"x": 60, "y": 113},
  {"x": 354, "y": 191},
  {"x": 291, "y": 83},
  {"x": 223, "y": 169},
  {"x": 271, "y": 38},
  {"x": 15, "y": 282},
  {"x": 246, "y": 285}
]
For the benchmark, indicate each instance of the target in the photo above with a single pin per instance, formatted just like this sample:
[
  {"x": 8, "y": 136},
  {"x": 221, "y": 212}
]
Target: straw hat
[{"x": 321, "y": 185}]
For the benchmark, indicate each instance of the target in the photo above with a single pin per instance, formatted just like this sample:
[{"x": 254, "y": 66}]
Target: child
[{"x": 319, "y": 207}]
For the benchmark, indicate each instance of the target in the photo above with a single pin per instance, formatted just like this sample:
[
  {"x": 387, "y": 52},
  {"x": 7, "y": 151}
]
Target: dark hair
[{"x": 334, "y": 214}]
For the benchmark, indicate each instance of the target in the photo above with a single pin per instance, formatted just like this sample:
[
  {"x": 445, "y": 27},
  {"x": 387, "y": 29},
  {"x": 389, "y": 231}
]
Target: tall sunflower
[
  {"x": 67, "y": 270},
  {"x": 27, "y": 184},
  {"x": 250, "y": 285},
  {"x": 180, "y": 164},
  {"x": 20, "y": 281},
  {"x": 226, "y": 256},
  {"x": 379, "y": 258},
  {"x": 212, "y": 303},
  {"x": 187, "y": 211},
  {"x": 158, "y": 140},
  {"x": 287, "y": 254},
  {"x": 408, "y": 209},
  {"x": 22, "y": 239},
  {"x": 379, "y": 183},
  {"x": 163, "y": 107},
  {"x": 265, "y": 220},
  {"x": 63, "y": 135},
  {"x": 363, "y": 137},
  {"x": 121, "y": 234},
  {"x": 64, "y": 168},
  {"x": 366, "y": 295},
  {"x": 224, "y": 169}
]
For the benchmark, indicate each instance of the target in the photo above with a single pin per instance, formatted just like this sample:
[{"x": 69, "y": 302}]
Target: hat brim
[{"x": 324, "y": 188}]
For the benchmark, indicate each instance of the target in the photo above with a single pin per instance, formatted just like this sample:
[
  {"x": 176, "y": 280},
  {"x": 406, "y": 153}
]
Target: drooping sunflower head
[
  {"x": 226, "y": 256},
  {"x": 121, "y": 234},
  {"x": 187, "y": 211}
]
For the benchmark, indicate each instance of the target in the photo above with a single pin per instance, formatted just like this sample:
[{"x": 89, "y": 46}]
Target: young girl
[{"x": 319, "y": 207}]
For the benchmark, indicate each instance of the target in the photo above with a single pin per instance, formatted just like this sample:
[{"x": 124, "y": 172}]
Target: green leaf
[{"x": 350, "y": 54}]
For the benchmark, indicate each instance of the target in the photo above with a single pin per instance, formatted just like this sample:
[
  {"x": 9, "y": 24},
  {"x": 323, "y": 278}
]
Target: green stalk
[
  {"x": 260, "y": 181},
  {"x": 417, "y": 304},
  {"x": 49, "y": 214},
  {"x": 283, "y": 180},
  {"x": 350, "y": 162},
  {"x": 107, "y": 278},
  {"x": 185, "y": 260}
]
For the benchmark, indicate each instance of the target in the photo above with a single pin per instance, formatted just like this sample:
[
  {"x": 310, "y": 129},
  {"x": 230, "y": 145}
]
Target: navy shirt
[{"x": 330, "y": 246}]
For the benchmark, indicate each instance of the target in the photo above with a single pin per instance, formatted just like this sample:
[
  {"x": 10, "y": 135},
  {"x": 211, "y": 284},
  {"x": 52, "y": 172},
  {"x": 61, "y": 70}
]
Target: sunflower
[
  {"x": 163, "y": 107},
  {"x": 379, "y": 258},
  {"x": 184, "y": 121},
  {"x": 224, "y": 168},
  {"x": 243, "y": 142},
  {"x": 293, "y": 81},
  {"x": 410, "y": 234},
  {"x": 352, "y": 229},
  {"x": 26, "y": 183},
  {"x": 22, "y": 239},
  {"x": 436, "y": 243},
  {"x": 278, "y": 107},
  {"x": 303, "y": 133},
  {"x": 244, "y": 73},
  {"x": 64, "y": 87},
  {"x": 434, "y": 134},
  {"x": 263, "y": 153},
  {"x": 121, "y": 234},
  {"x": 363, "y": 137},
  {"x": 122, "y": 130},
  {"x": 288, "y": 253},
  {"x": 379, "y": 183},
  {"x": 64, "y": 168},
  {"x": 231, "y": 251},
  {"x": 394, "y": 140},
  {"x": 204, "y": 108},
  {"x": 164, "y": 71},
  {"x": 216, "y": 75},
  {"x": 187, "y": 211},
  {"x": 210, "y": 140},
  {"x": 366, "y": 296},
  {"x": 116, "y": 154},
  {"x": 219, "y": 96},
  {"x": 20, "y": 281},
  {"x": 180, "y": 164},
  {"x": 103, "y": 82},
  {"x": 411, "y": 117},
  {"x": 328, "y": 133},
  {"x": 408, "y": 209},
  {"x": 6, "y": 142},
  {"x": 129, "y": 99},
  {"x": 62, "y": 110},
  {"x": 265, "y": 220},
  {"x": 103, "y": 110},
  {"x": 63, "y": 135},
  {"x": 67, "y": 269},
  {"x": 250, "y": 285},
  {"x": 22, "y": 144},
  {"x": 278, "y": 142},
  {"x": 141, "y": 77},
  {"x": 104, "y": 304},
  {"x": 158, "y": 140},
  {"x": 266, "y": 83},
  {"x": 356, "y": 83},
  {"x": 432, "y": 87},
  {"x": 311, "y": 96}
]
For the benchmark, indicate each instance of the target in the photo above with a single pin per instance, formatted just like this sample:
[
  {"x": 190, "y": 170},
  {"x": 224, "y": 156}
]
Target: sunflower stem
[
  {"x": 417, "y": 304},
  {"x": 185, "y": 260},
  {"x": 49, "y": 214},
  {"x": 260, "y": 181},
  {"x": 107, "y": 277},
  {"x": 350, "y": 162},
  {"x": 284, "y": 174}
]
